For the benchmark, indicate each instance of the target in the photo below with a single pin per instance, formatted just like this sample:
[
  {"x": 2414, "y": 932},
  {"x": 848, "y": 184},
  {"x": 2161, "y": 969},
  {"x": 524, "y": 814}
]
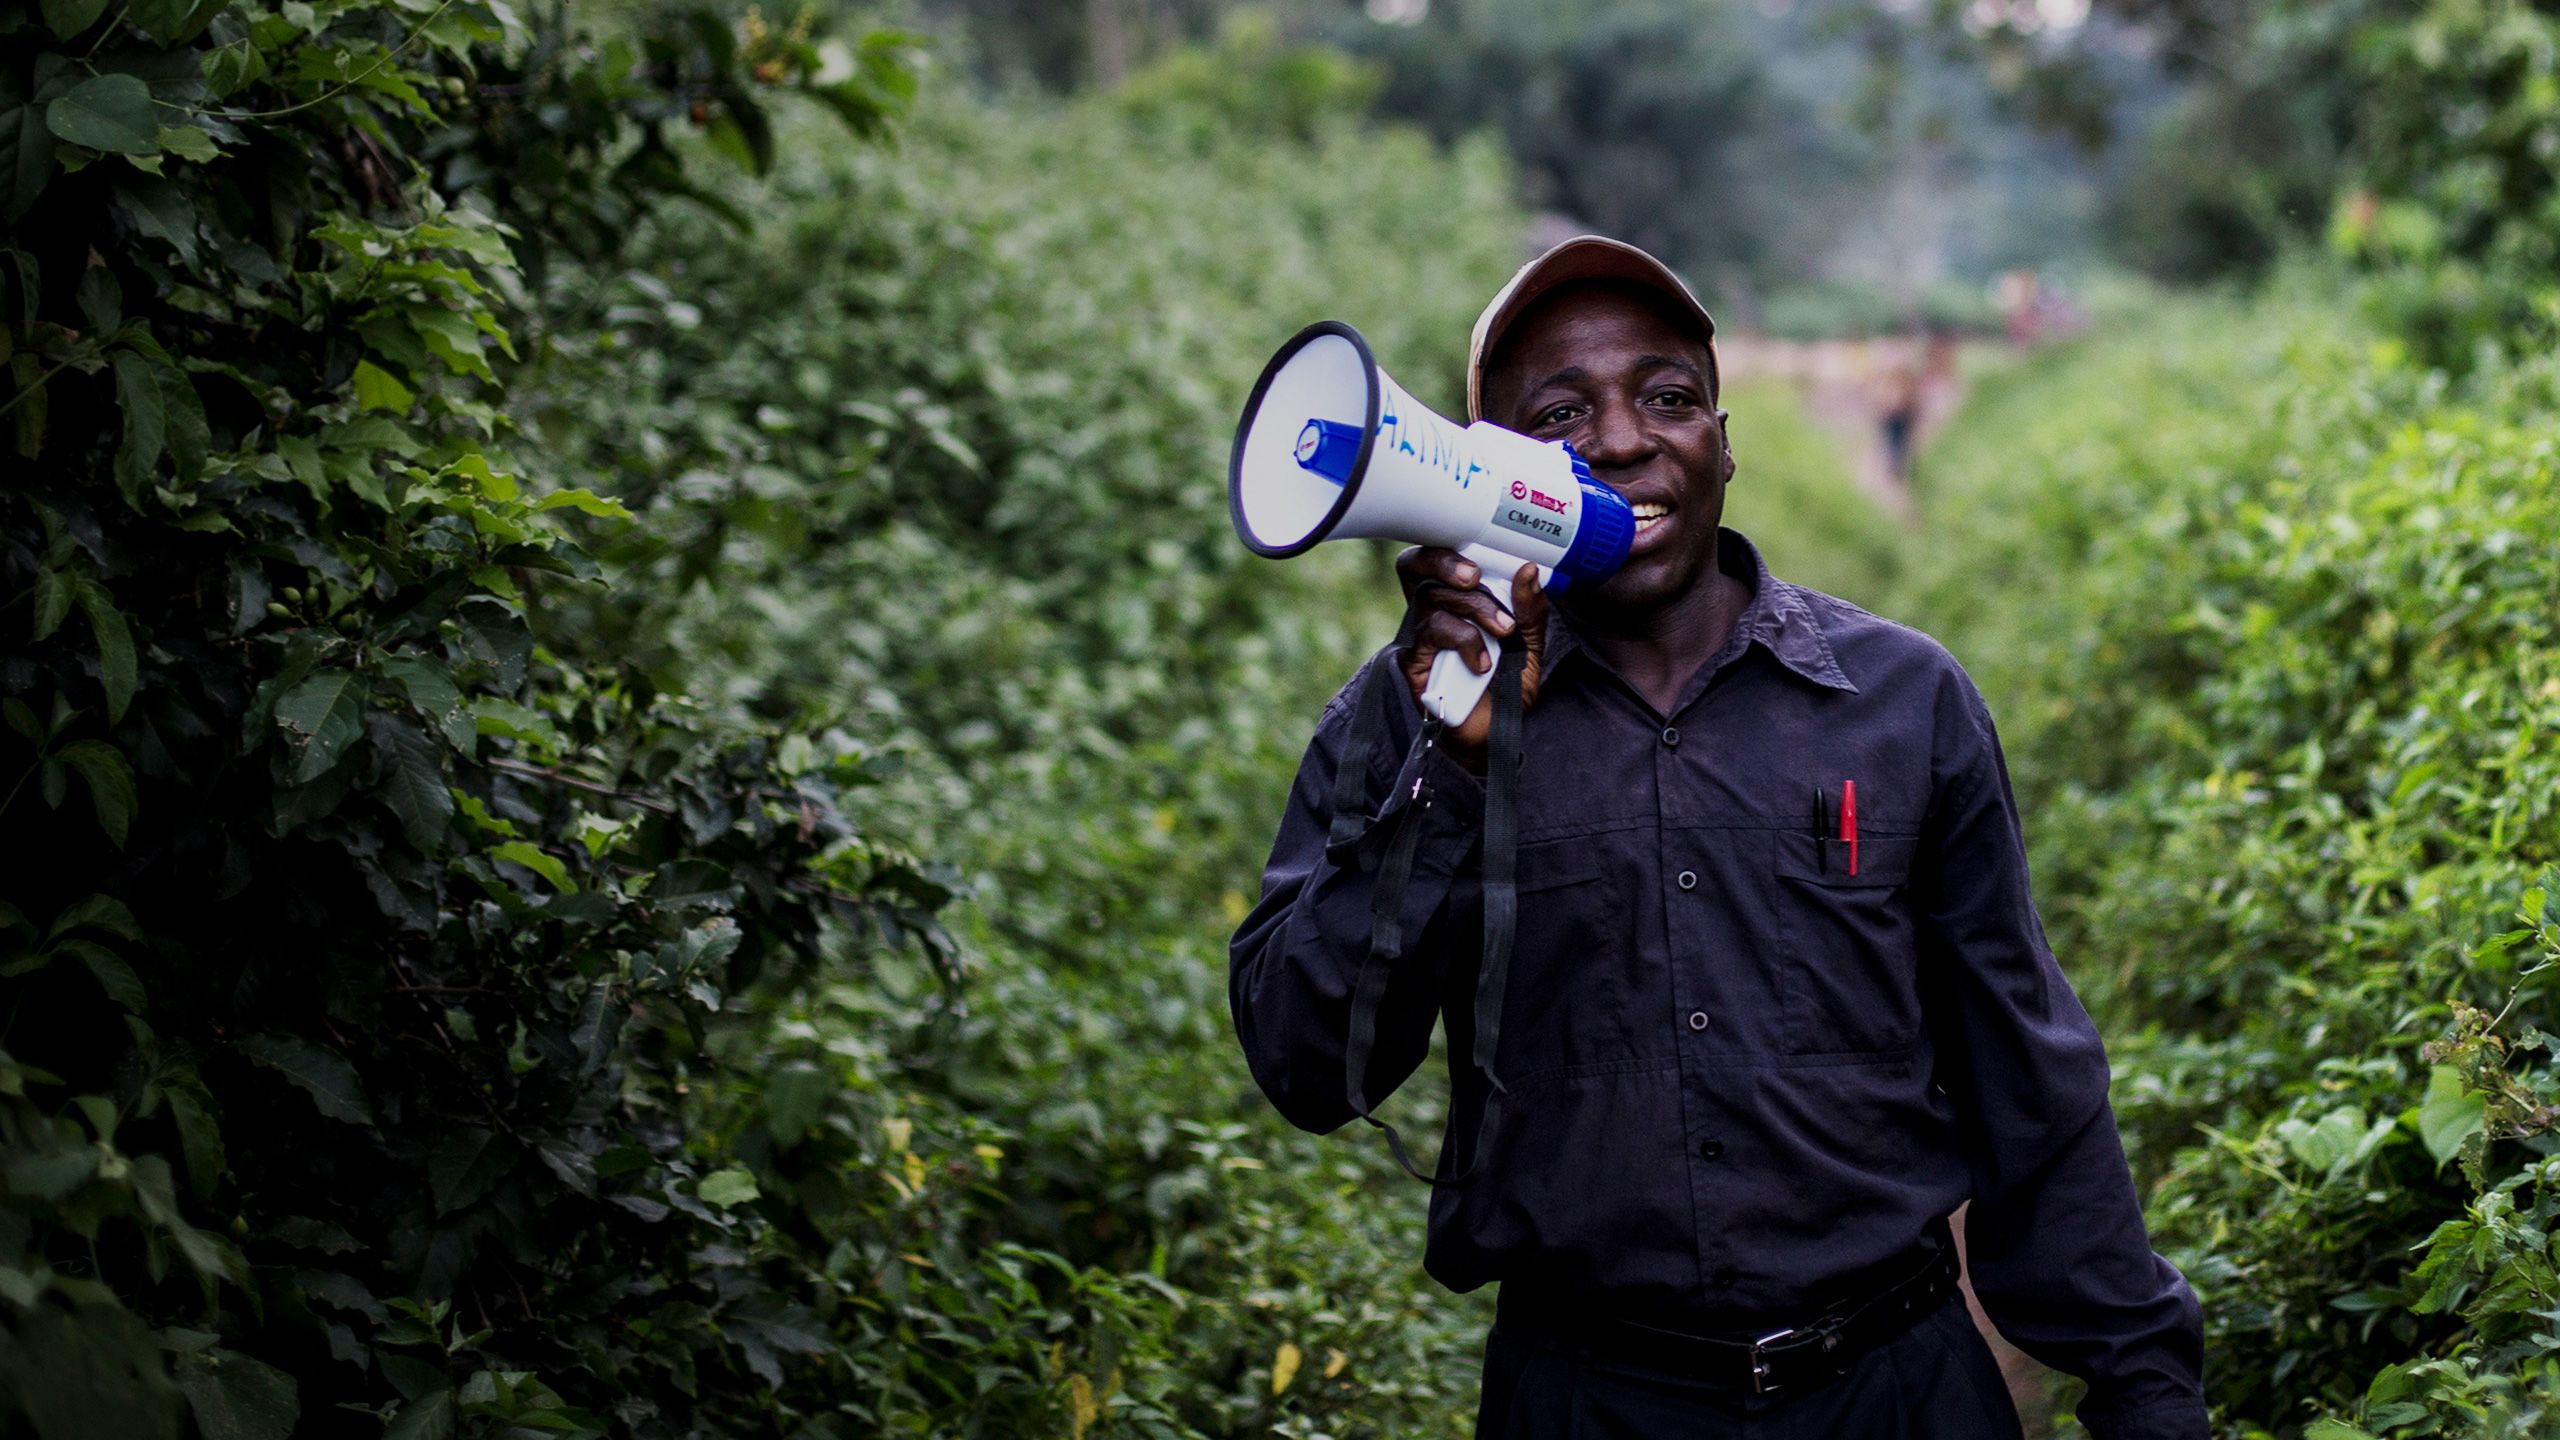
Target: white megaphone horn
[{"x": 1331, "y": 448}]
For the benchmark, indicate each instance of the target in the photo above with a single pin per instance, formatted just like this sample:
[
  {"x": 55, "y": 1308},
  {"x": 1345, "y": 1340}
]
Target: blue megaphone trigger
[{"x": 1330, "y": 449}]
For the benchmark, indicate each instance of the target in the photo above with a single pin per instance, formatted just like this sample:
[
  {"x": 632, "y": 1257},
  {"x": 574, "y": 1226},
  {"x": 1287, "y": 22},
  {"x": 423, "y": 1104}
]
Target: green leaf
[
  {"x": 452, "y": 338},
  {"x": 2448, "y": 1116},
  {"x": 101, "y": 298},
  {"x": 173, "y": 22},
  {"x": 116, "y": 665},
  {"x": 322, "y": 1073},
  {"x": 584, "y": 500},
  {"x": 66, "y": 18},
  {"x": 236, "y": 1397},
  {"x": 428, "y": 1418},
  {"x": 2333, "y": 1430},
  {"x": 189, "y": 436},
  {"x": 145, "y": 428},
  {"x": 319, "y": 717},
  {"x": 50, "y": 1176},
  {"x": 531, "y": 857},
  {"x": 26, "y": 159},
  {"x": 693, "y": 885},
  {"x": 468, "y": 1163},
  {"x": 53, "y": 606},
  {"x": 493, "y": 716},
  {"x": 376, "y": 389},
  {"x": 110, "y": 780},
  {"x": 95, "y": 1371},
  {"x": 199, "y": 1135},
  {"x": 98, "y": 912},
  {"x": 187, "y": 143},
  {"x": 794, "y": 1097},
  {"x": 114, "y": 975},
  {"x": 114, "y": 113},
  {"x": 429, "y": 686},
  {"x": 413, "y": 780},
  {"x": 162, "y": 210},
  {"x": 727, "y": 1188}
]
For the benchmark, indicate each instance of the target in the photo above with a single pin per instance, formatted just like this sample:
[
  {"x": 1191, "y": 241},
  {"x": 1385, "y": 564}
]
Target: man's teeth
[{"x": 1648, "y": 510}]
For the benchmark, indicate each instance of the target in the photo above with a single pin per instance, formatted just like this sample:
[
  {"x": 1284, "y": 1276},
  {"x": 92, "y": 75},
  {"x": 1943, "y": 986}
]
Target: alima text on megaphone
[{"x": 1331, "y": 448}]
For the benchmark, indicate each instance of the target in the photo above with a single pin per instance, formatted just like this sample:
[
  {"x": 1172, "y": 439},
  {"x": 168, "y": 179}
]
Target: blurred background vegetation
[{"x": 634, "y": 728}]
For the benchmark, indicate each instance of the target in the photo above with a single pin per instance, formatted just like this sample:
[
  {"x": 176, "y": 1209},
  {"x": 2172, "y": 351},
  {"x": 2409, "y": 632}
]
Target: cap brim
[{"x": 1584, "y": 257}]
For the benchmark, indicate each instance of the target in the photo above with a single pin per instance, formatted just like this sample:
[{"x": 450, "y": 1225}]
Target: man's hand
[{"x": 1452, "y": 609}]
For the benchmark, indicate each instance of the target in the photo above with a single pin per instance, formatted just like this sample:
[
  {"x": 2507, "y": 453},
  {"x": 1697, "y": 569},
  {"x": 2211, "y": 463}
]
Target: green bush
[
  {"x": 937, "y": 451},
  {"x": 2269, "y": 616},
  {"x": 363, "y": 949},
  {"x": 490, "y": 978},
  {"x": 2459, "y": 116}
]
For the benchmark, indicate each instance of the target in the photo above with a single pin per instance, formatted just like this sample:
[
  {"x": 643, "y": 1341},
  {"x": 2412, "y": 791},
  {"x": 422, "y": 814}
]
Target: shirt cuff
[
  {"x": 1446, "y": 787},
  {"x": 2178, "y": 1419}
]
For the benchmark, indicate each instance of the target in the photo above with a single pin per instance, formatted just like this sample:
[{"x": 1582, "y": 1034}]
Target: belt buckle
[{"x": 1760, "y": 1363}]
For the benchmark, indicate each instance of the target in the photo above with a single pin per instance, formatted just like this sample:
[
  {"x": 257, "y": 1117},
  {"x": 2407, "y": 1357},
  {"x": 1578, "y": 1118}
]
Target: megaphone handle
[{"x": 1454, "y": 688}]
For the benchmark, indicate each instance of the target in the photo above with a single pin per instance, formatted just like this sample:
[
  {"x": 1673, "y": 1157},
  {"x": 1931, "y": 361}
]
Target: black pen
[{"x": 1822, "y": 829}]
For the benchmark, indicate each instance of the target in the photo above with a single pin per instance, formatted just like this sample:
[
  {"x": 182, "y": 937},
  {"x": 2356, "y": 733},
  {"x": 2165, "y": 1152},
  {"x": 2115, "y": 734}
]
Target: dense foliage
[
  {"x": 633, "y": 730},
  {"x": 2272, "y": 618},
  {"x": 465, "y": 986},
  {"x": 2420, "y": 135},
  {"x": 361, "y": 946}
]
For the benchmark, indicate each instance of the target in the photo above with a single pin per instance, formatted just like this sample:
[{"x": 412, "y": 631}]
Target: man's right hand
[{"x": 1453, "y": 610}]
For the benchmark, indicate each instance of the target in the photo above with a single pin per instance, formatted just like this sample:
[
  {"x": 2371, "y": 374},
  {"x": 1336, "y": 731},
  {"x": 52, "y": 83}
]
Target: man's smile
[{"x": 1653, "y": 524}]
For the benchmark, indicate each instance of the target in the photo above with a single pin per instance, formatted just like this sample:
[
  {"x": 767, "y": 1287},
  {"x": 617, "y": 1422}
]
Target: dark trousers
[{"x": 1934, "y": 1381}]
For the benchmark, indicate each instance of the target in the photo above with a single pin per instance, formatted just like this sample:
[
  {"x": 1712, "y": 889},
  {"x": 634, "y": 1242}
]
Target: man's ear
[{"x": 1724, "y": 437}]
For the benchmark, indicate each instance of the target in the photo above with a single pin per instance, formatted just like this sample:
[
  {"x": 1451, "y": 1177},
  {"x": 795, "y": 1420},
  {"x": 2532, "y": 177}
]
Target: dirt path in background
[{"x": 1847, "y": 385}]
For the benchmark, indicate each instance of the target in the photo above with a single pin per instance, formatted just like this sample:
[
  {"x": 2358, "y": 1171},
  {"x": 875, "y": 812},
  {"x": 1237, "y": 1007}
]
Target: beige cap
[{"x": 1584, "y": 257}]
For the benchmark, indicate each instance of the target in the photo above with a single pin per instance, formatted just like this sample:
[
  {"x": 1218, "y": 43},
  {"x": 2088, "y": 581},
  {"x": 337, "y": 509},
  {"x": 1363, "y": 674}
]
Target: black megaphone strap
[{"x": 1392, "y": 858}]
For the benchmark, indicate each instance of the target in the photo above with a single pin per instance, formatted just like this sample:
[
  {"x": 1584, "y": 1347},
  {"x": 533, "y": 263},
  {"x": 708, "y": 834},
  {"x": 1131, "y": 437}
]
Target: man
[{"x": 1778, "y": 1000}]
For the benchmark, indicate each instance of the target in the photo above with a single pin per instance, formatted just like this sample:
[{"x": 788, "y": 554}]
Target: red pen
[{"x": 1849, "y": 820}]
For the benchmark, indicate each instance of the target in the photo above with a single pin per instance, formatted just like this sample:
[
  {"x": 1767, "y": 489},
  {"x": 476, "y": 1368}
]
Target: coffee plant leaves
[
  {"x": 2269, "y": 687},
  {"x": 2449, "y": 1114},
  {"x": 318, "y": 719},
  {"x": 469, "y": 1162},
  {"x": 66, "y": 18},
  {"x": 89, "y": 1372},
  {"x": 318, "y": 1072},
  {"x": 237, "y": 1397},
  {"x": 109, "y": 778}
]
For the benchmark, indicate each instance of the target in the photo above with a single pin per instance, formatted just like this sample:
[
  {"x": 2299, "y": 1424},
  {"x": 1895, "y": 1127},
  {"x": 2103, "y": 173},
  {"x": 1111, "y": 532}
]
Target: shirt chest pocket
[{"x": 1846, "y": 944}]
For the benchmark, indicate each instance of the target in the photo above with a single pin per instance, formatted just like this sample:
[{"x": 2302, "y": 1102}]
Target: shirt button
[
  {"x": 1697, "y": 1019},
  {"x": 1688, "y": 879},
  {"x": 1711, "y": 1149},
  {"x": 1671, "y": 736}
]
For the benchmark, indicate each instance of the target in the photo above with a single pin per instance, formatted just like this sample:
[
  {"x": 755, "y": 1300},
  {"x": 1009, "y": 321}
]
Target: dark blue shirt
[{"x": 1740, "y": 1077}]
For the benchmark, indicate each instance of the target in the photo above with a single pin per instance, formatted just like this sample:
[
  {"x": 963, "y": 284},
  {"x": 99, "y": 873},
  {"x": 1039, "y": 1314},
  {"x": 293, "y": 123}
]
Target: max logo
[{"x": 1544, "y": 501}]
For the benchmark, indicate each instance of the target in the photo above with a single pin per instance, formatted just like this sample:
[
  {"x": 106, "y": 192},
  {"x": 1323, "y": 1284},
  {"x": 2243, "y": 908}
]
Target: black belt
[{"x": 1788, "y": 1357}]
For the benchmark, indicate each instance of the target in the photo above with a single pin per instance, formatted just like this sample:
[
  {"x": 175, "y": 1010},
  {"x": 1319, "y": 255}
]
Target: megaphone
[{"x": 1331, "y": 448}]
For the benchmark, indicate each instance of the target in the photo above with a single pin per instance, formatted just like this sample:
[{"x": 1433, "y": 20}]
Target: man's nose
[{"x": 1617, "y": 438}]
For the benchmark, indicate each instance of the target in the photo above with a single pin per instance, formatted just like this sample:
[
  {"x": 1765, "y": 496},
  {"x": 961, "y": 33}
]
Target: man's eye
[
  {"x": 1556, "y": 415},
  {"x": 1673, "y": 399}
]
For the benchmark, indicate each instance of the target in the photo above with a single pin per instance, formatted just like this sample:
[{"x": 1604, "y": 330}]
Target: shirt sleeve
[
  {"x": 2055, "y": 1242},
  {"x": 1293, "y": 962}
]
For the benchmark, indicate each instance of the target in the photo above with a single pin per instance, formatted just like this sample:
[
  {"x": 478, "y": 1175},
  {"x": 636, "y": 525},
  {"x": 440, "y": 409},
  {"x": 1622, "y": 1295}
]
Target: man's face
[{"x": 1606, "y": 369}]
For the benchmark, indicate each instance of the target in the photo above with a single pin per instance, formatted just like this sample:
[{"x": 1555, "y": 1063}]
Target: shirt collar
[{"x": 1779, "y": 619}]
